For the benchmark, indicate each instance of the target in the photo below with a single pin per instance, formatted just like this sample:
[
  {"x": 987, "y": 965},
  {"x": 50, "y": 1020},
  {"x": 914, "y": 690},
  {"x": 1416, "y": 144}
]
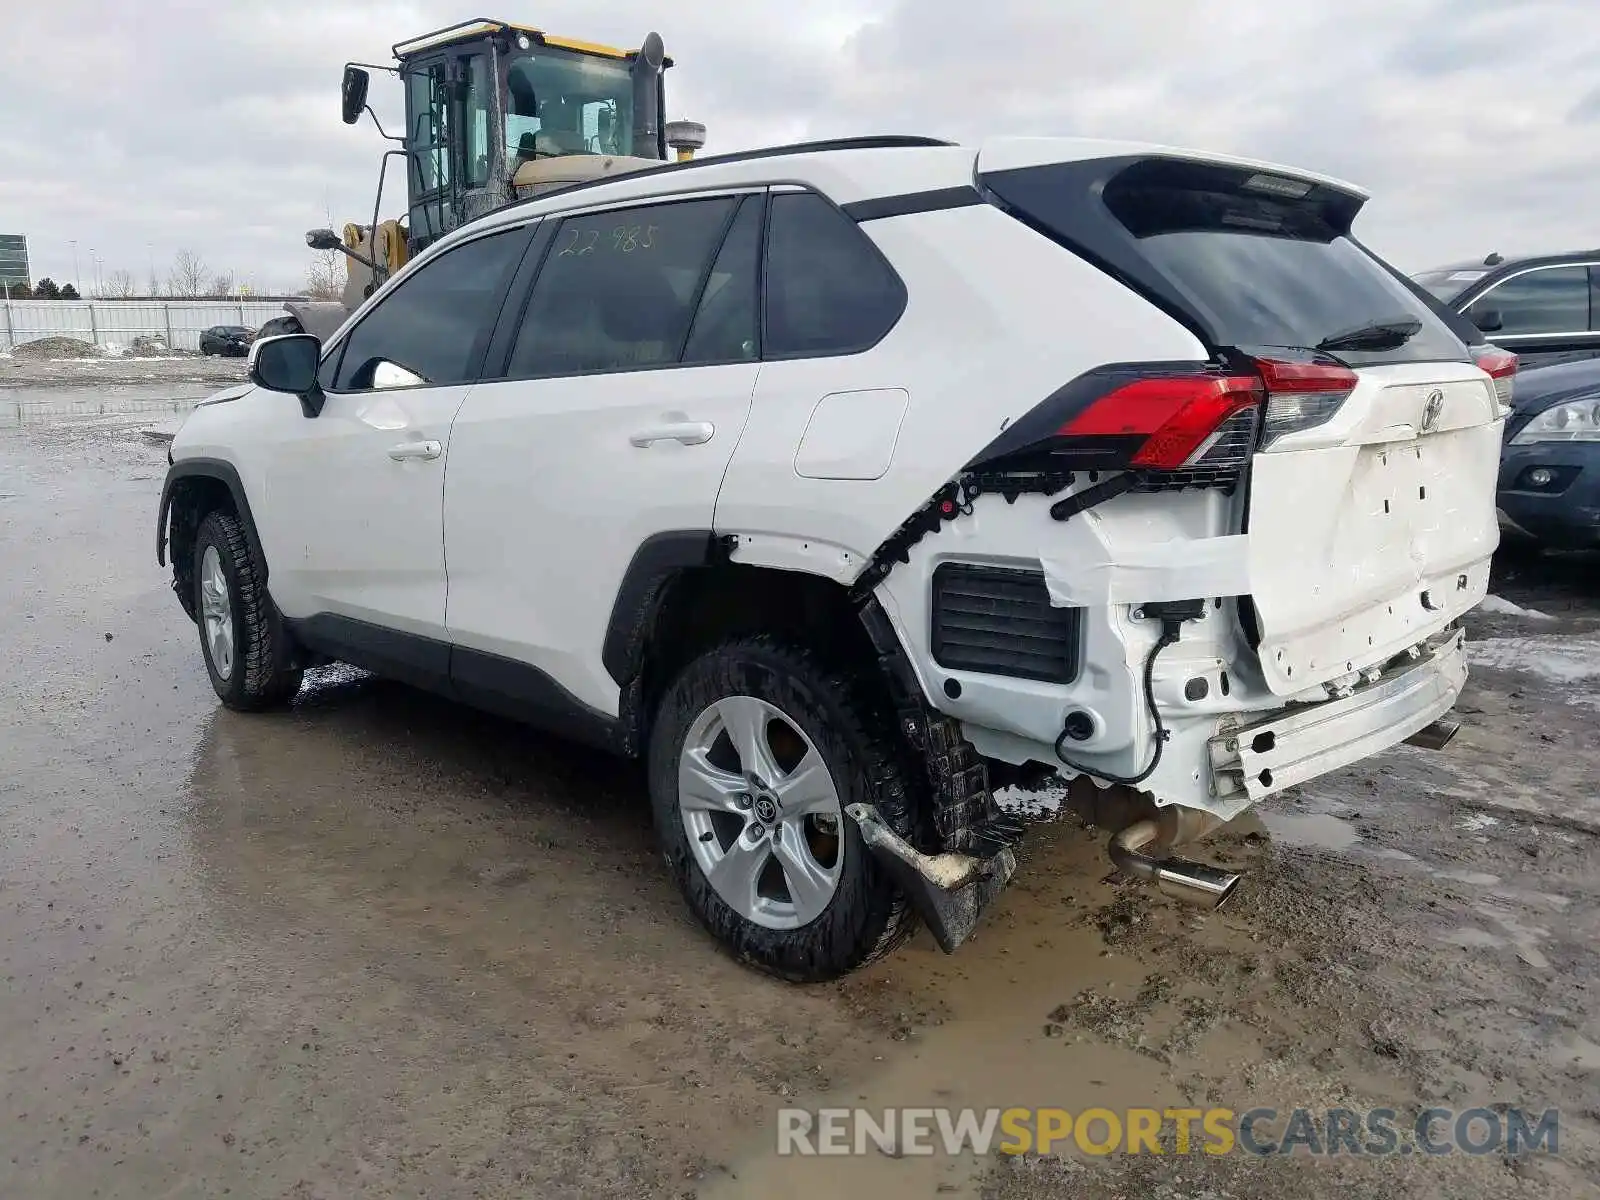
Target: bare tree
[
  {"x": 324, "y": 276},
  {"x": 221, "y": 284},
  {"x": 188, "y": 276},
  {"x": 119, "y": 285}
]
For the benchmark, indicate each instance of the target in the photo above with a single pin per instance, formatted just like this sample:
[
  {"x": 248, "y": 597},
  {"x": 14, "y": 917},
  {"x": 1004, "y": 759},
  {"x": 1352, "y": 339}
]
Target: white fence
[{"x": 118, "y": 322}]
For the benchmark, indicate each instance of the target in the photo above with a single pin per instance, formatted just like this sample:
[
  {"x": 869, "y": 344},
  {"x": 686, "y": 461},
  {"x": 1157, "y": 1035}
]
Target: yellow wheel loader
[{"x": 494, "y": 112}]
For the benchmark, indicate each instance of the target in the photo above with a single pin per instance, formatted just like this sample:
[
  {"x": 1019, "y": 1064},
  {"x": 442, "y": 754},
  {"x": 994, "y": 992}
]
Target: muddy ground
[{"x": 378, "y": 945}]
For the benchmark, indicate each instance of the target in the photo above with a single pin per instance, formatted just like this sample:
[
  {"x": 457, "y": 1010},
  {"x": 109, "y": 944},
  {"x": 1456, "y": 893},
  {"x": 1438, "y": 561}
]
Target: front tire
[
  {"x": 246, "y": 648},
  {"x": 756, "y": 751}
]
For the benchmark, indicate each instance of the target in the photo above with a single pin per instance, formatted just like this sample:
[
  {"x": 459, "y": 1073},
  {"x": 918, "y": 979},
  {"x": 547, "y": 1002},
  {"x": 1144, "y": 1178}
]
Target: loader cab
[{"x": 484, "y": 99}]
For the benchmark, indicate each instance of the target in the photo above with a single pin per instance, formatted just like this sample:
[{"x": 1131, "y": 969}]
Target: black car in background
[
  {"x": 1549, "y": 486},
  {"x": 229, "y": 340},
  {"x": 1544, "y": 310}
]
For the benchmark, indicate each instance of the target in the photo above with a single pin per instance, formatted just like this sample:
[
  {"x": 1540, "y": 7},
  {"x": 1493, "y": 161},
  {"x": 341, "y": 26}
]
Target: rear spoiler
[{"x": 1027, "y": 183}]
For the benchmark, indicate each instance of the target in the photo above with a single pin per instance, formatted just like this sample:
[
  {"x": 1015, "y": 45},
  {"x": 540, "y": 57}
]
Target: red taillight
[
  {"x": 1285, "y": 376},
  {"x": 1175, "y": 414},
  {"x": 1501, "y": 366}
]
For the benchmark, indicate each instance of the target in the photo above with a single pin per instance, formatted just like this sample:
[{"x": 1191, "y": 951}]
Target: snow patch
[
  {"x": 1562, "y": 660},
  {"x": 1501, "y": 607}
]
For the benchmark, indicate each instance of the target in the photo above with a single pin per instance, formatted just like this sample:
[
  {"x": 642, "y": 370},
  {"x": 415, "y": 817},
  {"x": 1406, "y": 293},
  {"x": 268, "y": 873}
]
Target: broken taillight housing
[{"x": 1501, "y": 366}]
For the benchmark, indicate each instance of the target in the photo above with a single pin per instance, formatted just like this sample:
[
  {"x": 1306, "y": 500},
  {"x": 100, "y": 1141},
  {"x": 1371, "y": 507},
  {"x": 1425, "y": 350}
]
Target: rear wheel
[
  {"x": 242, "y": 638},
  {"x": 756, "y": 752}
]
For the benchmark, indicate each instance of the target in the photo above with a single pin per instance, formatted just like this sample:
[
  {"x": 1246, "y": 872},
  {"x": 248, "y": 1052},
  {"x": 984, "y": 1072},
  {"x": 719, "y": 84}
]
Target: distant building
[{"x": 14, "y": 259}]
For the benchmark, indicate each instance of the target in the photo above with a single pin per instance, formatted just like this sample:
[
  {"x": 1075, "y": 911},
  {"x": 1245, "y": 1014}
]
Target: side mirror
[
  {"x": 323, "y": 239},
  {"x": 353, "y": 94},
  {"x": 287, "y": 363},
  {"x": 1488, "y": 320}
]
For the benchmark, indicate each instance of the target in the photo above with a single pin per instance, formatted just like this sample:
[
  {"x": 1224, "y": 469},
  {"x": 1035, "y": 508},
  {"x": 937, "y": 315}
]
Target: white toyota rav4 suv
[{"x": 843, "y": 481}]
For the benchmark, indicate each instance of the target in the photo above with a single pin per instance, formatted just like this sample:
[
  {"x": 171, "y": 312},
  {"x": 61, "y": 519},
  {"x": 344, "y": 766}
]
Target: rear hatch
[{"x": 1370, "y": 514}]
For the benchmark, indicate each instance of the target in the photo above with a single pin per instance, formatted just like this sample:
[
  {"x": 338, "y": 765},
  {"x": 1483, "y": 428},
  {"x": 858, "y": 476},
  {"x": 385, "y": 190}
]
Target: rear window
[{"x": 1266, "y": 261}]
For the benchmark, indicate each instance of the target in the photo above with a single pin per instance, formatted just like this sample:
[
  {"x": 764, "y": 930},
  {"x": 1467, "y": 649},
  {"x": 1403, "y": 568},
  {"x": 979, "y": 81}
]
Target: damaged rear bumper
[{"x": 1304, "y": 741}]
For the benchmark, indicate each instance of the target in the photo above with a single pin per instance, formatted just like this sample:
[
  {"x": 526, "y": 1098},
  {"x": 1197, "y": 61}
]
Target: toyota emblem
[{"x": 1432, "y": 410}]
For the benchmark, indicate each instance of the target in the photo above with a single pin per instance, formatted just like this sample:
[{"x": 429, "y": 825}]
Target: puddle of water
[
  {"x": 993, "y": 1050},
  {"x": 1320, "y": 831}
]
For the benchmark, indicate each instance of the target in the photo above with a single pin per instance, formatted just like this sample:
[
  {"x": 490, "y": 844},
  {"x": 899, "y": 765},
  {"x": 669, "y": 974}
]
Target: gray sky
[{"x": 140, "y": 129}]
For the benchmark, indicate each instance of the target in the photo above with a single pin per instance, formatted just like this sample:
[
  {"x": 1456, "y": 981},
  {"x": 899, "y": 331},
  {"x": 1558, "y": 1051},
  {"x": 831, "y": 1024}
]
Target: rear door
[
  {"x": 622, "y": 390},
  {"x": 1370, "y": 514}
]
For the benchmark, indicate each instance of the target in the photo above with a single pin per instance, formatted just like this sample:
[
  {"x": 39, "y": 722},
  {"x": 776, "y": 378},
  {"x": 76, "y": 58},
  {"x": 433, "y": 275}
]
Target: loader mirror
[
  {"x": 354, "y": 94},
  {"x": 286, "y": 364},
  {"x": 323, "y": 239}
]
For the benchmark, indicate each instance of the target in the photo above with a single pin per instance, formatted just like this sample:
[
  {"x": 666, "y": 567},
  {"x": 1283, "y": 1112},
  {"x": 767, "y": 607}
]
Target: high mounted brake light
[{"x": 1501, "y": 366}]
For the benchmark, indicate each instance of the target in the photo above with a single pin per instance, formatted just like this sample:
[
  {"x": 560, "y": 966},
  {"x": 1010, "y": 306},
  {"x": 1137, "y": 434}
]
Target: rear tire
[
  {"x": 771, "y": 865},
  {"x": 246, "y": 649}
]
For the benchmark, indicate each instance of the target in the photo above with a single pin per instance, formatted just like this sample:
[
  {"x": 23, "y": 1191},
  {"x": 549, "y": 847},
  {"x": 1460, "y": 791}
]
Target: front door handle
[
  {"x": 690, "y": 433},
  {"x": 407, "y": 450}
]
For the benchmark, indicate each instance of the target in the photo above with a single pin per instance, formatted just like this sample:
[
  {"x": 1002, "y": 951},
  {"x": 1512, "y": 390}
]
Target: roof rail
[{"x": 886, "y": 141}]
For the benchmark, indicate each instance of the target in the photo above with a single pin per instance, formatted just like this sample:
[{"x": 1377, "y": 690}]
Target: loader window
[
  {"x": 436, "y": 321},
  {"x": 618, "y": 289},
  {"x": 561, "y": 102}
]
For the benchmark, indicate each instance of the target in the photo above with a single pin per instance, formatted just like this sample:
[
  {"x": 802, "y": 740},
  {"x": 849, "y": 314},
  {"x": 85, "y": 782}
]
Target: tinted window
[
  {"x": 727, "y": 325},
  {"x": 618, "y": 289},
  {"x": 1549, "y": 300},
  {"x": 828, "y": 290},
  {"x": 433, "y": 321},
  {"x": 1265, "y": 267}
]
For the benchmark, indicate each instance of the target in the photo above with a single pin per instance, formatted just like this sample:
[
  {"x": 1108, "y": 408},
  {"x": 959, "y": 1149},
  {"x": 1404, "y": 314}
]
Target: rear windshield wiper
[{"x": 1378, "y": 335}]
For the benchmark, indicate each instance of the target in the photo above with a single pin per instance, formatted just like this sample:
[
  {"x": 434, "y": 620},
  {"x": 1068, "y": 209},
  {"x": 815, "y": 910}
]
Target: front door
[
  {"x": 356, "y": 494},
  {"x": 625, "y": 389}
]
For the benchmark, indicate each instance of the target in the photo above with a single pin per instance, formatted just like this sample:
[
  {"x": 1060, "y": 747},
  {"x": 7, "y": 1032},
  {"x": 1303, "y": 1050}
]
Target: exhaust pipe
[{"x": 1179, "y": 878}]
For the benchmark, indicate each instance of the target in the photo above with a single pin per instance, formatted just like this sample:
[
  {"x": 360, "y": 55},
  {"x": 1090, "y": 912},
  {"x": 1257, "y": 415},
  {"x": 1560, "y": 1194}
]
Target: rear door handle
[
  {"x": 407, "y": 450},
  {"x": 690, "y": 433}
]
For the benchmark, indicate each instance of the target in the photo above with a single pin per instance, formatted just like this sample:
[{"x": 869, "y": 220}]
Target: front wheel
[
  {"x": 242, "y": 637},
  {"x": 756, "y": 751}
]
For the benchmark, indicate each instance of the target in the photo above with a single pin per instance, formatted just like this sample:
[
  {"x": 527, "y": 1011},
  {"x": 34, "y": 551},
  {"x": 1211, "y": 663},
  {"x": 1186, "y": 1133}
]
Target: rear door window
[
  {"x": 1544, "y": 300},
  {"x": 727, "y": 325},
  {"x": 1265, "y": 266},
  {"x": 828, "y": 288},
  {"x": 619, "y": 289}
]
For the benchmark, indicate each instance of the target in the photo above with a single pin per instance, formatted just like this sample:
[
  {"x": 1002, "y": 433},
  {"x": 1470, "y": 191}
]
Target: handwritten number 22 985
[{"x": 623, "y": 239}]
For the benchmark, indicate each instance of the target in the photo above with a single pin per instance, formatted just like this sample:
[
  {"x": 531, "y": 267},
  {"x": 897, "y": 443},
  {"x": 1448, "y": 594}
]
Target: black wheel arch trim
[
  {"x": 657, "y": 560},
  {"x": 225, "y": 473}
]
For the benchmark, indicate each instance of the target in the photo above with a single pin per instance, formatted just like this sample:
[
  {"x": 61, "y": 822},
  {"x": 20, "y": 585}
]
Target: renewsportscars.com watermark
[{"x": 1377, "y": 1132}]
